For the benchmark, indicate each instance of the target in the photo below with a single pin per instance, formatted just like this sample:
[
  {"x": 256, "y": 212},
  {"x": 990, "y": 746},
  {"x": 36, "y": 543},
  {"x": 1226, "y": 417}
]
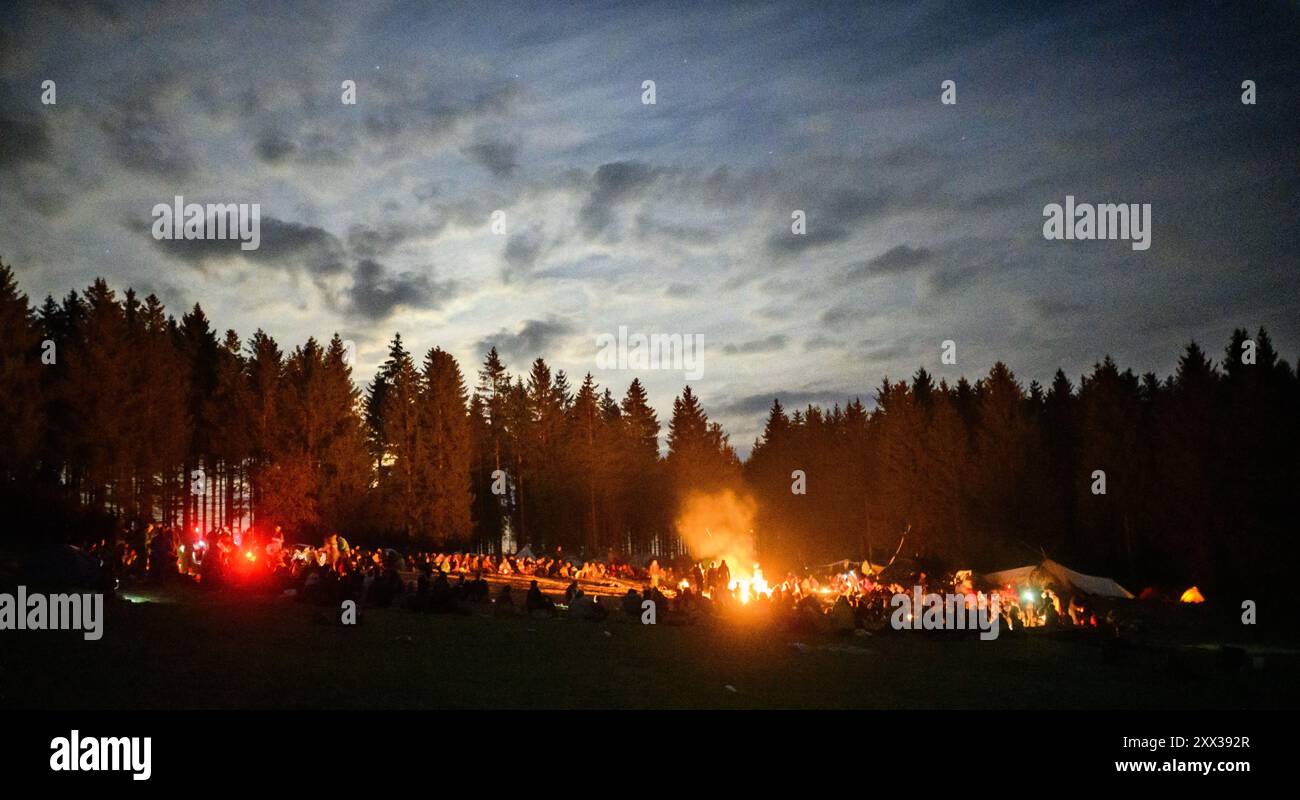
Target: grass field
[{"x": 186, "y": 649}]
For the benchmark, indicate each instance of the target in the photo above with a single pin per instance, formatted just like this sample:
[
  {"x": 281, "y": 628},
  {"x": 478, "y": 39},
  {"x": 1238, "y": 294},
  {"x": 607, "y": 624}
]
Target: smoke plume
[{"x": 720, "y": 526}]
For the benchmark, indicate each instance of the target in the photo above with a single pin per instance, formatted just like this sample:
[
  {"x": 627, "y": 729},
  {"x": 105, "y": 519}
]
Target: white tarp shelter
[{"x": 1063, "y": 576}]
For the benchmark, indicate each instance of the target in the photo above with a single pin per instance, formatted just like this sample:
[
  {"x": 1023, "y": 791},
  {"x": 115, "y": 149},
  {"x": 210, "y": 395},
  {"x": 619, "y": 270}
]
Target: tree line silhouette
[{"x": 114, "y": 411}]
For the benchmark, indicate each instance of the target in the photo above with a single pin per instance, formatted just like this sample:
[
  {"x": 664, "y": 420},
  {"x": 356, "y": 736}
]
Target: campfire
[
  {"x": 746, "y": 589},
  {"x": 718, "y": 528}
]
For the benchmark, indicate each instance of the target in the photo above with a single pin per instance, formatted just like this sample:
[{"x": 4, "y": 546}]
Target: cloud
[
  {"x": 967, "y": 262},
  {"x": 274, "y": 147},
  {"x": 886, "y": 352},
  {"x": 290, "y": 246},
  {"x": 92, "y": 13},
  {"x": 821, "y": 342},
  {"x": 23, "y": 141},
  {"x": 761, "y": 403},
  {"x": 144, "y": 135},
  {"x": 1054, "y": 309},
  {"x": 316, "y": 249},
  {"x": 829, "y": 220},
  {"x": 498, "y": 158},
  {"x": 789, "y": 243},
  {"x": 521, "y": 254},
  {"x": 838, "y": 315},
  {"x": 375, "y": 294},
  {"x": 678, "y": 213},
  {"x": 648, "y": 228},
  {"x": 419, "y": 109},
  {"x": 894, "y": 261},
  {"x": 613, "y": 184},
  {"x": 367, "y": 242},
  {"x": 535, "y": 337},
  {"x": 768, "y": 344}
]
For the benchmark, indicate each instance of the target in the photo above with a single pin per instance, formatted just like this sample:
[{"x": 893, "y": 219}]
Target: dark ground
[{"x": 189, "y": 649}]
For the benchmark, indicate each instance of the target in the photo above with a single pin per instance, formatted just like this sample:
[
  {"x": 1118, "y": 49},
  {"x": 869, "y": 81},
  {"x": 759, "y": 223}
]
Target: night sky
[{"x": 924, "y": 220}]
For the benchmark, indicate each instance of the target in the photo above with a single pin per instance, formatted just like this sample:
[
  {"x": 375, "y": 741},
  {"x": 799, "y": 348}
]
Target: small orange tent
[{"x": 1192, "y": 595}]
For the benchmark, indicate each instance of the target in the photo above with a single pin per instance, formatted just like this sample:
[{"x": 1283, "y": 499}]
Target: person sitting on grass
[
  {"x": 654, "y": 595},
  {"x": 386, "y": 588},
  {"x": 538, "y": 603},
  {"x": 504, "y": 604},
  {"x": 440, "y": 594},
  {"x": 586, "y": 608},
  {"x": 353, "y": 587},
  {"x": 419, "y": 601},
  {"x": 478, "y": 590},
  {"x": 632, "y": 604},
  {"x": 842, "y": 618}
]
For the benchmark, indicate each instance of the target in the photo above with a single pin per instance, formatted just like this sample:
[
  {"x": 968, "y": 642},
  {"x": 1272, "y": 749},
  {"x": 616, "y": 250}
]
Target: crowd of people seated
[{"x": 842, "y": 599}]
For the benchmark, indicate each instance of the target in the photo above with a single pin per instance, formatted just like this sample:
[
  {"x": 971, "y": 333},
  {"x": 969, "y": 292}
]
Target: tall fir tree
[{"x": 447, "y": 448}]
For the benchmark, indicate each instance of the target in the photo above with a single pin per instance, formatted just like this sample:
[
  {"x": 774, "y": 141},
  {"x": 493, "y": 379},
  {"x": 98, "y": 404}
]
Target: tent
[
  {"x": 1062, "y": 576},
  {"x": 525, "y": 552}
]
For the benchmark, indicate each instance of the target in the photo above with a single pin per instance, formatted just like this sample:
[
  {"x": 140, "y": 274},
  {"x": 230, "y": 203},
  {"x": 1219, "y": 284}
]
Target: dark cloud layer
[
  {"x": 894, "y": 261},
  {"x": 498, "y": 158},
  {"x": 792, "y": 400},
  {"x": 923, "y": 220},
  {"x": 768, "y": 344},
  {"x": 23, "y": 141},
  {"x": 290, "y": 246},
  {"x": 532, "y": 338},
  {"x": 612, "y": 185},
  {"x": 375, "y": 293}
]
